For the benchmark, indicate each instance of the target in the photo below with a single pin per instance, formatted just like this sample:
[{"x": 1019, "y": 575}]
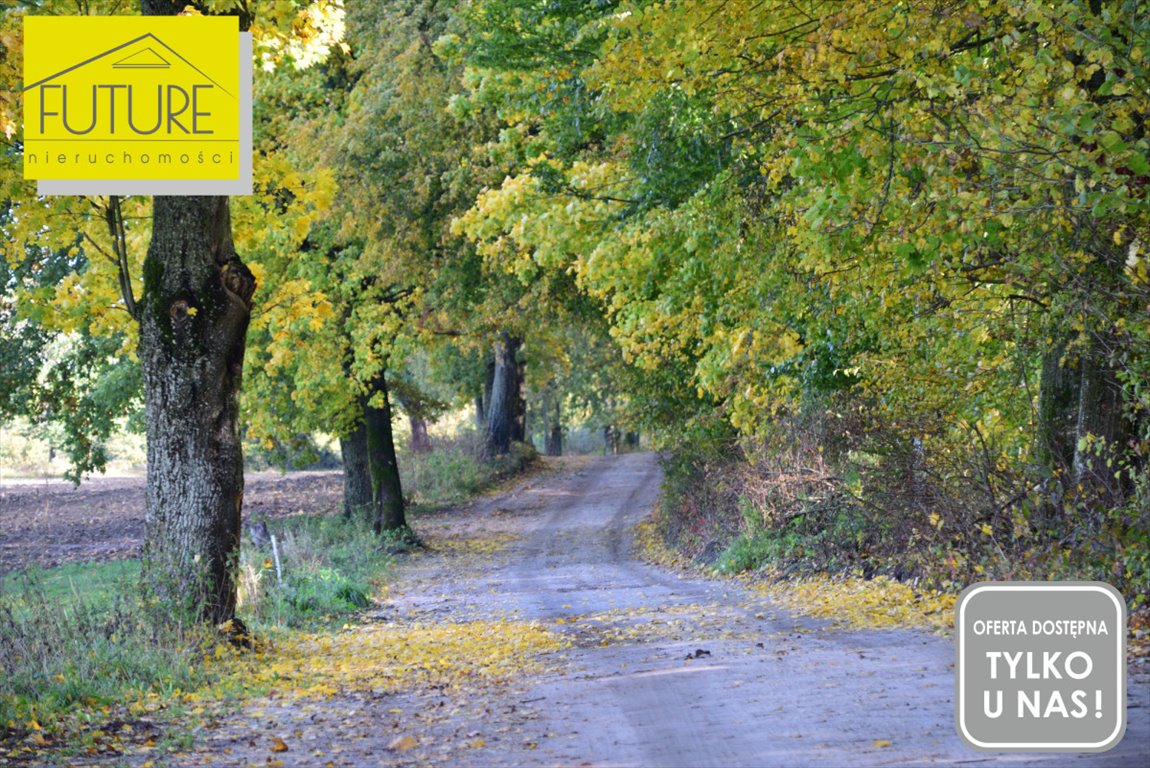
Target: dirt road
[{"x": 661, "y": 670}]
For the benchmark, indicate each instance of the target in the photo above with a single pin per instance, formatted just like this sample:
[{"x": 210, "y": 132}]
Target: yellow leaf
[
  {"x": 478, "y": 744},
  {"x": 403, "y": 743},
  {"x": 301, "y": 226},
  {"x": 881, "y": 743},
  {"x": 278, "y": 745}
]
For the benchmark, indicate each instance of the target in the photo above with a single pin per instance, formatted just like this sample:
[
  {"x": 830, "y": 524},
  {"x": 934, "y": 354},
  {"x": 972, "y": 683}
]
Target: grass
[
  {"x": 72, "y": 648},
  {"x": 91, "y": 583},
  {"x": 78, "y": 635},
  {"x": 80, "y": 652}
]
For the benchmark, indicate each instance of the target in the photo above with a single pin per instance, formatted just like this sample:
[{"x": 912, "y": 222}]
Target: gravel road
[
  {"x": 663, "y": 670},
  {"x": 770, "y": 688}
]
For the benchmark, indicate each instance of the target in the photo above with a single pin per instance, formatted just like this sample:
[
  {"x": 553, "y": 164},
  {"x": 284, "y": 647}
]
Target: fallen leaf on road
[
  {"x": 402, "y": 743},
  {"x": 278, "y": 745},
  {"x": 880, "y": 743}
]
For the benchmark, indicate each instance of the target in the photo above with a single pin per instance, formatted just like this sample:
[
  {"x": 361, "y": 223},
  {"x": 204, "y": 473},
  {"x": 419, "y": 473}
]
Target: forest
[{"x": 872, "y": 277}]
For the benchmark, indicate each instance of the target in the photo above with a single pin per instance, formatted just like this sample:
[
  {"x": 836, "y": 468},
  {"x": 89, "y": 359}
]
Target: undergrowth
[
  {"x": 453, "y": 472},
  {"x": 877, "y": 512},
  {"x": 328, "y": 566}
]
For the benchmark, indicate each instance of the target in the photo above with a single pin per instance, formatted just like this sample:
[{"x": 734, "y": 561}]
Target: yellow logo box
[{"x": 132, "y": 98}]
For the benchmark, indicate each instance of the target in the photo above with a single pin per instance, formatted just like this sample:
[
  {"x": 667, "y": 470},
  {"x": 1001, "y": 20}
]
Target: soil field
[{"x": 47, "y": 523}]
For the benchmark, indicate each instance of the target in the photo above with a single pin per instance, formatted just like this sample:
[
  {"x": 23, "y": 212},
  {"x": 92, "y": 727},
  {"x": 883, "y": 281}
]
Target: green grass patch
[
  {"x": 69, "y": 652},
  {"x": 79, "y": 648},
  {"x": 93, "y": 583},
  {"x": 455, "y": 472}
]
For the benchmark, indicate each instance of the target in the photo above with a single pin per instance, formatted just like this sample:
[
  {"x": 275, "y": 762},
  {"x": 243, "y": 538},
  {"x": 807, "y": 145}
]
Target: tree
[
  {"x": 194, "y": 301},
  {"x": 69, "y": 264},
  {"x": 914, "y": 210},
  {"x": 73, "y": 379},
  {"x": 194, "y": 315},
  {"x": 504, "y": 421}
]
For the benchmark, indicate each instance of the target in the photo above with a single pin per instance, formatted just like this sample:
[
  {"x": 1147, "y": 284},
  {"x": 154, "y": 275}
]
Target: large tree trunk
[
  {"x": 357, "y": 495},
  {"x": 488, "y": 386},
  {"x": 555, "y": 440},
  {"x": 193, "y": 327},
  {"x": 503, "y": 405},
  {"x": 387, "y": 493}
]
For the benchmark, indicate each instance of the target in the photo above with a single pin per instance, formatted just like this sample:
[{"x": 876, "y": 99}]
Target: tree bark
[
  {"x": 552, "y": 423},
  {"x": 555, "y": 440},
  {"x": 1100, "y": 426},
  {"x": 420, "y": 440},
  {"x": 193, "y": 327},
  {"x": 488, "y": 385},
  {"x": 519, "y": 401},
  {"x": 1057, "y": 414},
  {"x": 387, "y": 492},
  {"x": 503, "y": 405},
  {"x": 610, "y": 440},
  {"x": 480, "y": 414},
  {"x": 357, "y": 495}
]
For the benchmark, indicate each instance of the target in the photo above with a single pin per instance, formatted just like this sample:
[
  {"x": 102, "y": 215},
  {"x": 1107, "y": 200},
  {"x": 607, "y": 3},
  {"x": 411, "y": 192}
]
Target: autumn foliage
[{"x": 896, "y": 253}]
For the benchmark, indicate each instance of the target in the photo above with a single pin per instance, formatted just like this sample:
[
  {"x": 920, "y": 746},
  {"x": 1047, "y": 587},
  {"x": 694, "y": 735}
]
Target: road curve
[{"x": 768, "y": 689}]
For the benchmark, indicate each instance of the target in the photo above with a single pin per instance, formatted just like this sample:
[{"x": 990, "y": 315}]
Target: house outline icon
[
  {"x": 121, "y": 64},
  {"x": 145, "y": 59}
]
